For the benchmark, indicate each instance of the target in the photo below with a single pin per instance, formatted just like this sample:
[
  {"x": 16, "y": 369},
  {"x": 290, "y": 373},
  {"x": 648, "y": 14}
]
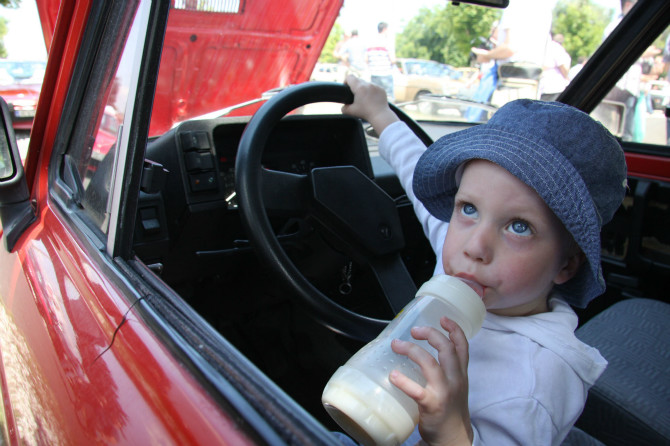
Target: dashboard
[{"x": 194, "y": 219}]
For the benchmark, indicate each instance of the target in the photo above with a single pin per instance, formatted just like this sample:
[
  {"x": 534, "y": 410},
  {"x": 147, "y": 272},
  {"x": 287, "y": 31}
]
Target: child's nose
[{"x": 479, "y": 245}]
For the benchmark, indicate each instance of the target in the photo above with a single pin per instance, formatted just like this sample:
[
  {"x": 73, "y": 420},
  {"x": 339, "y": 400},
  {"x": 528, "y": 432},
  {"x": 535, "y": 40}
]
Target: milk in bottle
[{"x": 359, "y": 395}]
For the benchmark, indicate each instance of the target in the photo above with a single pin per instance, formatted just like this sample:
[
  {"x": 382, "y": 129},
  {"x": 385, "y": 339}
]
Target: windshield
[{"x": 438, "y": 61}]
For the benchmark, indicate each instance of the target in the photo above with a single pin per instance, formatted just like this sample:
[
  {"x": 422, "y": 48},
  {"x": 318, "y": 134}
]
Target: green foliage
[
  {"x": 3, "y": 33},
  {"x": 582, "y": 24},
  {"x": 10, "y": 3},
  {"x": 335, "y": 36},
  {"x": 660, "y": 40},
  {"x": 446, "y": 33}
]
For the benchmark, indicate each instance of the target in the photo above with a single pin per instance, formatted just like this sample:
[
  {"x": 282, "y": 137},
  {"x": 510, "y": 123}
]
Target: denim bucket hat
[{"x": 574, "y": 164}]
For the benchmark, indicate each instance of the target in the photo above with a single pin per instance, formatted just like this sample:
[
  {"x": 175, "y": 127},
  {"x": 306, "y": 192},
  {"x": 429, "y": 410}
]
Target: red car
[
  {"x": 20, "y": 85},
  {"x": 176, "y": 271}
]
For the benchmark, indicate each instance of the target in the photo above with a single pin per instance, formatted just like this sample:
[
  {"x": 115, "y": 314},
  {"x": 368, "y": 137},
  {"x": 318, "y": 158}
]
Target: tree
[
  {"x": 446, "y": 33},
  {"x": 571, "y": 18},
  {"x": 336, "y": 34},
  {"x": 3, "y": 33},
  {"x": 10, "y": 3}
]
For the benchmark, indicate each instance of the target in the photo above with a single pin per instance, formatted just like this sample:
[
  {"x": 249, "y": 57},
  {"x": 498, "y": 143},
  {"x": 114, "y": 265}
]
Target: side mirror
[
  {"x": 611, "y": 115},
  {"x": 16, "y": 212}
]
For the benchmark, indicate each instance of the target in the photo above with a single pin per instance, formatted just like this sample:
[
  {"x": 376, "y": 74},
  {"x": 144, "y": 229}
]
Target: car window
[
  {"x": 545, "y": 54},
  {"x": 102, "y": 129},
  {"x": 634, "y": 109}
]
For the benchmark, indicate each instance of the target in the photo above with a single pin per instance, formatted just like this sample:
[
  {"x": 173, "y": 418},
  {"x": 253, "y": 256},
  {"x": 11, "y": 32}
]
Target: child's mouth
[{"x": 472, "y": 283}]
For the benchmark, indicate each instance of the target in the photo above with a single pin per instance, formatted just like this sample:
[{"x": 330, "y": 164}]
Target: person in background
[
  {"x": 555, "y": 69},
  {"x": 581, "y": 60},
  {"x": 665, "y": 72},
  {"x": 352, "y": 54},
  {"x": 666, "y": 57},
  {"x": 337, "y": 51},
  {"x": 488, "y": 76},
  {"x": 519, "y": 40},
  {"x": 627, "y": 90},
  {"x": 380, "y": 60}
]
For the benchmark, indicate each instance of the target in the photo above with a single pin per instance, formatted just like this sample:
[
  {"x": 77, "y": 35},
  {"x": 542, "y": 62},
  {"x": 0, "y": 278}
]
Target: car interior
[
  {"x": 191, "y": 234},
  {"x": 297, "y": 280},
  {"x": 282, "y": 243}
]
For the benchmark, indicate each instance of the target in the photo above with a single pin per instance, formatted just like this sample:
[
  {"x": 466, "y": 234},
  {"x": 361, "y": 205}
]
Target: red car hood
[{"x": 212, "y": 60}]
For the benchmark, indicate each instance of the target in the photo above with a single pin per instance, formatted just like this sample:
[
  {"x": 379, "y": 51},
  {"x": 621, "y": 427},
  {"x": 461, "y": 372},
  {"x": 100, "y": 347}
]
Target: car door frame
[
  {"x": 68, "y": 304},
  {"x": 223, "y": 396}
]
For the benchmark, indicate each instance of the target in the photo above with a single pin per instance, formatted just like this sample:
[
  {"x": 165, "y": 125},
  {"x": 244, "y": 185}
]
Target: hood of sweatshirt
[{"x": 555, "y": 331}]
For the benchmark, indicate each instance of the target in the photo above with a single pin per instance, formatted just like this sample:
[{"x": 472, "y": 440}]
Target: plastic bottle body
[{"x": 360, "y": 397}]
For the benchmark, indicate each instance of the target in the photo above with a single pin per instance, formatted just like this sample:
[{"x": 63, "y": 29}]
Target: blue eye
[
  {"x": 520, "y": 227},
  {"x": 469, "y": 210}
]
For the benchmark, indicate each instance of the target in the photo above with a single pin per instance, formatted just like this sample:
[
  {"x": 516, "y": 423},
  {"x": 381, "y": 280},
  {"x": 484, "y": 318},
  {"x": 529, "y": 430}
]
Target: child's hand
[
  {"x": 444, "y": 417},
  {"x": 370, "y": 104}
]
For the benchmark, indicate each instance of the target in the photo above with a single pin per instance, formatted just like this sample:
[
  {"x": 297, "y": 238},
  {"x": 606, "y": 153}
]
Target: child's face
[{"x": 504, "y": 236}]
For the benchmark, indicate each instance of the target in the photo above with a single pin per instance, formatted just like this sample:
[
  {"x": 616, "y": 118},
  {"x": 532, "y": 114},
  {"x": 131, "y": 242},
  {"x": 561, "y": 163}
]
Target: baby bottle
[{"x": 359, "y": 395}]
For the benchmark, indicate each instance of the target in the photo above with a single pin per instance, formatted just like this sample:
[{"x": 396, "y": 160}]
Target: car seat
[
  {"x": 577, "y": 437},
  {"x": 630, "y": 402}
]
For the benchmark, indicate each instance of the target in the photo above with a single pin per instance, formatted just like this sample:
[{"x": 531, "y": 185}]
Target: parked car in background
[
  {"x": 181, "y": 265},
  {"x": 328, "y": 72},
  {"x": 20, "y": 85},
  {"x": 465, "y": 75},
  {"x": 417, "y": 77}
]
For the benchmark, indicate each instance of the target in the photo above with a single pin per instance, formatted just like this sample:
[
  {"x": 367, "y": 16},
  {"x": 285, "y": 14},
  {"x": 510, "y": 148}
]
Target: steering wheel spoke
[
  {"x": 342, "y": 199},
  {"x": 285, "y": 192},
  {"x": 395, "y": 280}
]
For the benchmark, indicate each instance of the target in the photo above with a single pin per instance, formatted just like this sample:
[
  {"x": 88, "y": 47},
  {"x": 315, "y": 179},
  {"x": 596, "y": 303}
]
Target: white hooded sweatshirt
[{"x": 529, "y": 376}]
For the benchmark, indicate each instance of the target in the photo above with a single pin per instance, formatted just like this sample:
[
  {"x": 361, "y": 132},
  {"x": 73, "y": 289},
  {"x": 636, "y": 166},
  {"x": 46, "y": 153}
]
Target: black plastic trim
[
  {"x": 139, "y": 128},
  {"x": 76, "y": 90}
]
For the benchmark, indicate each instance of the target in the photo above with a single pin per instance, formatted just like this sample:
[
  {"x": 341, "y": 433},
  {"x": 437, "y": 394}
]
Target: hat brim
[{"x": 539, "y": 165}]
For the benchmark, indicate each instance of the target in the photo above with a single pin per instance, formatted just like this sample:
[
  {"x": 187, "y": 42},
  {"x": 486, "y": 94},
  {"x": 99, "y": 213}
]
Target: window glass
[
  {"x": 488, "y": 57},
  {"x": 634, "y": 109},
  {"x": 105, "y": 105}
]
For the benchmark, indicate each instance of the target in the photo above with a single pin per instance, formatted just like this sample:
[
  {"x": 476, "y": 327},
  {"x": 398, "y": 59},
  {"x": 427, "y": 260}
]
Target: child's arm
[
  {"x": 444, "y": 417},
  {"x": 370, "y": 103},
  {"x": 399, "y": 147}
]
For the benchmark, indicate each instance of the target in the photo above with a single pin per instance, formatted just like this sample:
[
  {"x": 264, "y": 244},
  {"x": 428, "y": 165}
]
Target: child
[{"x": 517, "y": 205}]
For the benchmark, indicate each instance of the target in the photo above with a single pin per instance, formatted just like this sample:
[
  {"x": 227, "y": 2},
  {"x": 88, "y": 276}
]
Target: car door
[
  {"x": 79, "y": 365},
  {"x": 94, "y": 347}
]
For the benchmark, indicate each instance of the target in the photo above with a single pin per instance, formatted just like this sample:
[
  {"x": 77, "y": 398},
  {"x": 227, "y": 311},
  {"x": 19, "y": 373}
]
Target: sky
[
  {"x": 364, "y": 15},
  {"x": 24, "y": 38}
]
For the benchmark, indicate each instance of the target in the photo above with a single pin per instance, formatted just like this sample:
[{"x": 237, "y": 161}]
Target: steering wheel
[{"x": 342, "y": 199}]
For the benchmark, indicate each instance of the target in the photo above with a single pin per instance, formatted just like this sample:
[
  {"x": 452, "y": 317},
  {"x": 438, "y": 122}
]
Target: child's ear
[{"x": 570, "y": 268}]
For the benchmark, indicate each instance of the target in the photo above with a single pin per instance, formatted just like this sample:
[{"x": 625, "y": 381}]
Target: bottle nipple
[{"x": 477, "y": 288}]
